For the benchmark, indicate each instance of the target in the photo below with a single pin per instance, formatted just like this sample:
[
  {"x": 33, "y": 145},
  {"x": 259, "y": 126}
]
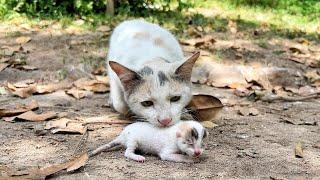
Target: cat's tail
[{"x": 104, "y": 147}]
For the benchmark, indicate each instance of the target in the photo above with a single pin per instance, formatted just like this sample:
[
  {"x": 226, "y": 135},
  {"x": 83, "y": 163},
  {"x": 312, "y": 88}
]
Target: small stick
[
  {"x": 271, "y": 98},
  {"x": 82, "y": 141}
]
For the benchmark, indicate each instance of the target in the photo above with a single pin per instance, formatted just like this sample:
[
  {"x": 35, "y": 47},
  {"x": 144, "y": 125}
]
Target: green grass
[
  {"x": 210, "y": 14},
  {"x": 278, "y": 17}
]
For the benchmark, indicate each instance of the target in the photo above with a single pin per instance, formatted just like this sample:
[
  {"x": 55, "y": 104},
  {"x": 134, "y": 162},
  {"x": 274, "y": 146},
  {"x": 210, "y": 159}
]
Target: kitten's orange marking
[
  {"x": 141, "y": 35},
  {"x": 184, "y": 128},
  {"x": 158, "y": 42}
]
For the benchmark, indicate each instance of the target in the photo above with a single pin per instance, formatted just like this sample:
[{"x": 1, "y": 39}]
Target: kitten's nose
[
  {"x": 197, "y": 152},
  {"x": 165, "y": 121}
]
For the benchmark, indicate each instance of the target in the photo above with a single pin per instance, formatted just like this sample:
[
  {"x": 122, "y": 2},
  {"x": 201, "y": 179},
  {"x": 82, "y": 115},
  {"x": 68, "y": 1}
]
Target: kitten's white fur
[
  {"x": 169, "y": 143},
  {"x": 136, "y": 44}
]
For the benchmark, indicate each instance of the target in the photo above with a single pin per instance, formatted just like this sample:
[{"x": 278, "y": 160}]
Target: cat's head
[
  {"x": 190, "y": 135},
  {"x": 159, "y": 91}
]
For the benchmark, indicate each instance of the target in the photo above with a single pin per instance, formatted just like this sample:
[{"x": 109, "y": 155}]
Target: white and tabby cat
[{"x": 148, "y": 72}]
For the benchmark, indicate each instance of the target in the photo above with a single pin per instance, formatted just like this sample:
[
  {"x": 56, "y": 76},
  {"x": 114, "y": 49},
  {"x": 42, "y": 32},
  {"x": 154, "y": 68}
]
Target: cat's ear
[
  {"x": 128, "y": 77},
  {"x": 184, "y": 71}
]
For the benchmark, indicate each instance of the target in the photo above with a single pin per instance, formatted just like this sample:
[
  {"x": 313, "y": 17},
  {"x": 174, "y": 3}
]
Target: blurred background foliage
[
  {"x": 292, "y": 17},
  {"x": 58, "y": 8}
]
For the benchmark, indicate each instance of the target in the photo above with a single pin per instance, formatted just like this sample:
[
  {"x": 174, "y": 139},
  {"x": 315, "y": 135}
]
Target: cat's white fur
[
  {"x": 135, "y": 45},
  {"x": 178, "y": 143}
]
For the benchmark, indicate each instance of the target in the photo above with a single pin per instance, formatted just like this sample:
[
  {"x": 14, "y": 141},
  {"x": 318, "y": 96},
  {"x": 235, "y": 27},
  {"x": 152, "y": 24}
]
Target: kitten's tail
[{"x": 104, "y": 147}]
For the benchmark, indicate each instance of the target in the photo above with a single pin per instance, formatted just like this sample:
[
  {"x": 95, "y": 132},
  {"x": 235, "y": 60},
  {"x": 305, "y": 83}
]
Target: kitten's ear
[
  {"x": 185, "y": 70},
  {"x": 127, "y": 77}
]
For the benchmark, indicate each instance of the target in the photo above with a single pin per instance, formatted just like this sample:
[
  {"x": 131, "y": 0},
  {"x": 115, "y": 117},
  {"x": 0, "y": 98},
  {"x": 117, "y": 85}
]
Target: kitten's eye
[
  {"x": 147, "y": 103},
  {"x": 189, "y": 142},
  {"x": 175, "y": 98}
]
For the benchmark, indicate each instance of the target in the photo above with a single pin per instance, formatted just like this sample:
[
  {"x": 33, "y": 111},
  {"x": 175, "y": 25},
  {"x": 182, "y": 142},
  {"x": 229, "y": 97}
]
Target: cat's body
[
  {"x": 148, "y": 72},
  {"x": 178, "y": 143}
]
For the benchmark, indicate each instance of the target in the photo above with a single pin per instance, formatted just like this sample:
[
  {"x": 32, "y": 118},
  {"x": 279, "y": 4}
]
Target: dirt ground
[{"x": 240, "y": 147}]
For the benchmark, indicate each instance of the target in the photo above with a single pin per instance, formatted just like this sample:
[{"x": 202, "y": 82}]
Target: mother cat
[{"x": 148, "y": 72}]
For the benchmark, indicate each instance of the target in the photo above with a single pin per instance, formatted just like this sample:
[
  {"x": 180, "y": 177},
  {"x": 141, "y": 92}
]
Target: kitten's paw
[{"x": 140, "y": 159}]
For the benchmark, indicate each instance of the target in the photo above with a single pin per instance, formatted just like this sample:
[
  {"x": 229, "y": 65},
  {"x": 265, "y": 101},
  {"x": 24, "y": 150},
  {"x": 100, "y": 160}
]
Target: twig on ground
[
  {"x": 272, "y": 97},
  {"x": 80, "y": 144}
]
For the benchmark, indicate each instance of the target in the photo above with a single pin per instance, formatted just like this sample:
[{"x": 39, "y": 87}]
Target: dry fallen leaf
[
  {"x": 60, "y": 123},
  {"x": 19, "y": 109},
  {"x": 72, "y": 127},
  {"x": 78, "y": 162},
  {"x": 24, "y": 84},
  {"x": 100, "y": 70},
  {"x": 48, "y": 88},
  {"x": 204, "y": 107},
  {"x": 104, "y": 79},
  {"x": 298, "y": 150},
  {"x": 21, "y": 92},
  {"x": 3, "y": 66},
  {"x": 209, "y": 124},
  {"x": 313, "y": 75},
  {"x": 206, "y": 71},
  {"x": 23, "y": 39},
  {"x": 91, "y": 85},
  {"x": 77, "y": 93},
  {"x": 42, "y": 173},
  {"x": 32, "y": 116}
]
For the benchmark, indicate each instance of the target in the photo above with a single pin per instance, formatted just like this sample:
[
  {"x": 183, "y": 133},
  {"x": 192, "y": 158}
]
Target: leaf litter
[{"x": 43, "y": 172}]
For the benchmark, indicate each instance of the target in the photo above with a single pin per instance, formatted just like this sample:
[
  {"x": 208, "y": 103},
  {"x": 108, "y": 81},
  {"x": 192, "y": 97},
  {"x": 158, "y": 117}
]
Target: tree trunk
[{"x": 110, "y": 7}]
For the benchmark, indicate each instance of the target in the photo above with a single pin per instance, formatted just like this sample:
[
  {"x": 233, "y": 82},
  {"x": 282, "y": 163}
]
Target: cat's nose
[
  {"x": 165, "y": 121},
  {"x": 197, "y": 152}
]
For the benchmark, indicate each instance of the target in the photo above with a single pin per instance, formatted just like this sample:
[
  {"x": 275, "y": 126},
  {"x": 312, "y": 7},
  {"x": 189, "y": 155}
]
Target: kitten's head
[
  {"x": 190, "y": 136},
  {"x": 159, "y": 91}
]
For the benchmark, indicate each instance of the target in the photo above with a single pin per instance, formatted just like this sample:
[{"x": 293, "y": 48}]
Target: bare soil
[{"x": 240, "y": 147}]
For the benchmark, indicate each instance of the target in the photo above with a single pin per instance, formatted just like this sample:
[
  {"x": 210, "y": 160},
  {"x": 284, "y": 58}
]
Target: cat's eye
[
  {"x": 147, "y": 103},
  {"x": 175, "y": 98}
]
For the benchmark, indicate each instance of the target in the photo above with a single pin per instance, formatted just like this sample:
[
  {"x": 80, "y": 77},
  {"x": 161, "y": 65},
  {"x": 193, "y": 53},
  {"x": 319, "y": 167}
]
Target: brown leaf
[
  {"x": 307, "y": 90},
  {"x": 209, "y": 124},
  {"x": 100, "y": 70},
  {"x": 3, "y": 66},
  {"x": 48, "y": 88},
  {"x": 72, "y": 127},
  {"x": 60, "y": 123},
  {"x": 298, "y": 150},
  {"x": 21, "y": 92},
  {"x": 205, "y": 107},
  {"x": 78, "y": 162},
  {"x": 23, "y": 39},
  {"x": 32, "y": 116},
  {"x": 299, "y": 49},
  {"x": 91, "y": 85},
  {"x": 19, "y": 109},
  {"x": 103, "y": 79},
  {"x": 24, "y": 84},
  {"x": 206, "y": 71},
  {"x": 77, "y": 93},
  {"x": 42, "y": 173},
  {"x": 245, "y": 111},
  {"x": 312, "y": 75}
]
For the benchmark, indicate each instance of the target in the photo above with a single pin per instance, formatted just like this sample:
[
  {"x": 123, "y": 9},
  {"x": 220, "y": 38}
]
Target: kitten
[
  {"x": 177, "y": 143},
  {"x": 148, "y": 73}
]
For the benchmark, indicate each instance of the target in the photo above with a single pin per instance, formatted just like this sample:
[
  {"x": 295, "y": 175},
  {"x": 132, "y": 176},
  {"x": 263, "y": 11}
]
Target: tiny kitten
[
  {"x": 177, "y": 143},
  {"x": 148, "y": 73}
]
